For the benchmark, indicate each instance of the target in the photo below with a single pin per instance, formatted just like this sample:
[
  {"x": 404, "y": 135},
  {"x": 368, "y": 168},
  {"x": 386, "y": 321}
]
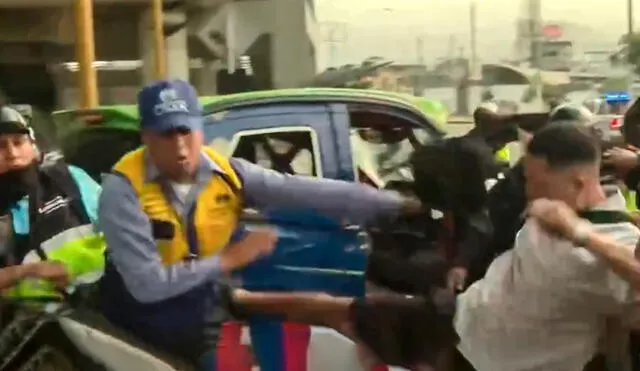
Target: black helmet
[
  {"x": 12, "y": 122},
  {"x": 571, "y": 113}
]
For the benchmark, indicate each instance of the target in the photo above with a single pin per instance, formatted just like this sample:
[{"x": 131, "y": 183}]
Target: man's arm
[
  {"x": 358, "y": 203},
  {"x": 618, "y": 248},
  {"x": 10, "y": 276},
  {"x": 51, "y": 271},
  {"x": 617, "y": 254},
  {"x": 485, "y": 236},
  {"x": 133, "y": 251}
]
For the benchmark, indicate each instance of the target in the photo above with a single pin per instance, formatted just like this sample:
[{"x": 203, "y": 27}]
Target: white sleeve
[
  {"x": 302, "y": 163},
  {"x": 622, "y": 291}
]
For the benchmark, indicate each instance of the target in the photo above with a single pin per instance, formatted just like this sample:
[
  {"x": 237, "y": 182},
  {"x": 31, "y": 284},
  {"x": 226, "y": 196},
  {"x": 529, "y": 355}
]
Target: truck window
[
  {"x": 291, "y": 150},
  {"x": 382, "y": 144}
]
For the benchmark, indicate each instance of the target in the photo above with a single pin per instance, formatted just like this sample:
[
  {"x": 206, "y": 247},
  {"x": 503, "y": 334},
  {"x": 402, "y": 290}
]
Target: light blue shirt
[{"x": 132, "y": 248}]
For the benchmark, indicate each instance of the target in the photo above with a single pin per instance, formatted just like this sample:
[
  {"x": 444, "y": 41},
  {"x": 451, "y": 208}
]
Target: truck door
[{"x": 313, "y": 252}]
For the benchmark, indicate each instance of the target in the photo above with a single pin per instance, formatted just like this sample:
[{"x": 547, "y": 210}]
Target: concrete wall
[
  {"x": 45, "y": 36},
  {"x": 294, "y": 49},
  {"x": 294, "y": 30}
]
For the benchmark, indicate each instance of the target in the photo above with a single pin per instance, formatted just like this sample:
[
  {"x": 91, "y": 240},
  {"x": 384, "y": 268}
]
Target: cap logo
[{"x": 170, "y": 102}]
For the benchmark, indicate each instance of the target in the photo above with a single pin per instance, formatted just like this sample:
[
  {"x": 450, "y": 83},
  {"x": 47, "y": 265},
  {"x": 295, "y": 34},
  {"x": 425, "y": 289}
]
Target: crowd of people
[{"x": 548, "y": 282}]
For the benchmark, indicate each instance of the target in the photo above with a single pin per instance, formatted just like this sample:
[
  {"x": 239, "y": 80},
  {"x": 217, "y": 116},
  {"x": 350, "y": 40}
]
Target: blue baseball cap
[{"x": 168, "y": 105}]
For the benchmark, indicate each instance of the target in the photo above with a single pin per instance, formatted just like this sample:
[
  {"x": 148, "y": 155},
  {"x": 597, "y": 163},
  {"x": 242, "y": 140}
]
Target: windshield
[{"x": 383, "y": 155}]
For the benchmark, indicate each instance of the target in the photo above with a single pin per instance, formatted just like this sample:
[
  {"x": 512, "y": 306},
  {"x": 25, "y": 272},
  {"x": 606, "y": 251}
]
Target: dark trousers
[
  {"x": 634, "y": 348},
  {"x": 460, "y": 363}
]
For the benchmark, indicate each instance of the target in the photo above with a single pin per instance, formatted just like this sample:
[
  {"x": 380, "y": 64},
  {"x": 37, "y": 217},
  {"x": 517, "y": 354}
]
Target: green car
[{"x": 94, "y": 139}]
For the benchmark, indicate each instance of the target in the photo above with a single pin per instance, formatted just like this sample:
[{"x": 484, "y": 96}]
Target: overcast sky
[{"x": 390, "y": 28}]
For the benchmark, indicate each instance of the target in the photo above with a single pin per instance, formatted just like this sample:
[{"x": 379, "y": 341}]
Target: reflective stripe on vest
[
  {"x": 630, "y": 198},
  {"x": 214, "y": 220},
  {"x": 503, "y": 155},
  {"x": 80, "y": 249}
]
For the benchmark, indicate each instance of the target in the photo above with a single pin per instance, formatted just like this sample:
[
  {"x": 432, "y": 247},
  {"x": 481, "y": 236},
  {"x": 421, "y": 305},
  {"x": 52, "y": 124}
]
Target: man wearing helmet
[
  {"x": 47, "y": 210},
  {"x": 507, "y": 200},
  {"x": 571, "y": 113},
  {"x": 502, "y": 154}
]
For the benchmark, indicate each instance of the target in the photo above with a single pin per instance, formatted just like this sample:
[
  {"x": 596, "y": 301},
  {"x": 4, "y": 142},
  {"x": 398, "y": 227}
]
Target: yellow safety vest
[
  {"x": 216, "y": 214},
  {"x": 503, "y": 154}
]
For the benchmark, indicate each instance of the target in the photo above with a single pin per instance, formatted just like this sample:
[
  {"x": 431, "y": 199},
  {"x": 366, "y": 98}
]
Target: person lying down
[{"x": 541, "y": 306}]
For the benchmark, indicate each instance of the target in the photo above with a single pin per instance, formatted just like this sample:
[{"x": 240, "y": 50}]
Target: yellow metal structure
[
  {"x": 86, "y": 54},
  {"x": 158, "y": 40}
]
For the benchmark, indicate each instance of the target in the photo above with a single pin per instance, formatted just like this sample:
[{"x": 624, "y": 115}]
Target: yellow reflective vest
[
  {"x": 503, "y": 155},
  {"x": 213, "y": 221}
]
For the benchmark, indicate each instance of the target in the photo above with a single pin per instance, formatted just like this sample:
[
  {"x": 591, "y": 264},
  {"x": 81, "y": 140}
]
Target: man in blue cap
[{"x": 169, "y": 212}]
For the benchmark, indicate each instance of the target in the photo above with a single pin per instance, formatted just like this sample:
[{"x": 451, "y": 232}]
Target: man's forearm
[
  {"x": 10, "y": 276},
  {"x": 313, "y": 309},
  {"x": 620, "y": 259},
  {"x": 265, "y": 189}
]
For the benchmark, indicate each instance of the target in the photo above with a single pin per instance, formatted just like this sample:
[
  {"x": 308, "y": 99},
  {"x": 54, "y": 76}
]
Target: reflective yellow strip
[
  {"x": 80, "y": 249},
  {"x": 630, "y": 198},
  {"x": 503, "y": 154}
]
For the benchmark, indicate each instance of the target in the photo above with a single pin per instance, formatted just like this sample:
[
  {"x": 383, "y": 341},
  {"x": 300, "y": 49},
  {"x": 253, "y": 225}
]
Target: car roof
[{"x": 429, "y": 109}]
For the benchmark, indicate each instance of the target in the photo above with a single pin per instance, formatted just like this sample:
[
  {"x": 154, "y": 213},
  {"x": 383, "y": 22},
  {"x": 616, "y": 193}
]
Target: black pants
[
  {"x": 460, "y": 363},
  {"x": 598, "y": 363},
  {"x": 634, "y": 348}
]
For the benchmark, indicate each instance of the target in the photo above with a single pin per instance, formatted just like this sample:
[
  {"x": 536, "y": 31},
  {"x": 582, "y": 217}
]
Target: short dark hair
[
  {"x": 565, "y": 144},
  {"x": 631, "y": 128}
]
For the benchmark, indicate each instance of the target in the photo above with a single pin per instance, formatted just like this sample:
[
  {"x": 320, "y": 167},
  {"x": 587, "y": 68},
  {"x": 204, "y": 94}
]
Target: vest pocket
[{"x": 162, "y": 229}]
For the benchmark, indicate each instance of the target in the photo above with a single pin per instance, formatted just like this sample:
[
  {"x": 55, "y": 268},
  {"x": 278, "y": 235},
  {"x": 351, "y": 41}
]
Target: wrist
[{"x": 581, "y": 232}]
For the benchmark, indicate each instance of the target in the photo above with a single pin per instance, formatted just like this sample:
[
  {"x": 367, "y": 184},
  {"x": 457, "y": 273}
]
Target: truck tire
[{"x": 48, "y": 358}]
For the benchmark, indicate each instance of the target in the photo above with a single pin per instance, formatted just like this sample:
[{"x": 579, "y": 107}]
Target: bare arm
[
  {"x": 313, "y": 308},
  {"x": 50, "y": 271},
  {"x": 10, "y": 276},
  {"x": 621, "y": 260},
  {"x": 616, "y": 247}
]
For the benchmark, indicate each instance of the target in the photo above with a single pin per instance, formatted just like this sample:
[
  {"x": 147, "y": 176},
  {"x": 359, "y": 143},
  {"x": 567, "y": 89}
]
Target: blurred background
[{"x": 522, "y": 53}]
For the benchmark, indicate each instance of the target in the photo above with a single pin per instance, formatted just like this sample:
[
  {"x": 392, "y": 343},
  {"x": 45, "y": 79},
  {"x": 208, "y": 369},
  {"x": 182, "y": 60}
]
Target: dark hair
[
  {"x": 450, "y": 174},
  {"x": 565, "y": 144},
  {"x": 631, "y": 128},
  {"x": 569, "y": 112}
]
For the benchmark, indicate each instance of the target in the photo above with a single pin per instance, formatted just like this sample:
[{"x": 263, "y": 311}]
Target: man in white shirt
[{"x": 542, "y": 306}]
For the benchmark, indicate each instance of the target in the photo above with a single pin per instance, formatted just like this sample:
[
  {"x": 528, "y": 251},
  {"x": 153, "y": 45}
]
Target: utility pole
[
  {"x": 535, "y": 37},
  {"x": 630, "y": 16},
  {"x": 420, "y": 50},
  {"x": 86, "y": 53},
  {"x": 473, "y": 63},
  {"x": 629, "y": 27}
]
